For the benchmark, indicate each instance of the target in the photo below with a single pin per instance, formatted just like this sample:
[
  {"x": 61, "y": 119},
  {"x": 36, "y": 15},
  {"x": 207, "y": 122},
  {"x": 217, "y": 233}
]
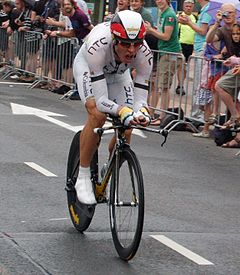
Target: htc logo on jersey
[
  {"x": 96, "y": 45},
  {"x": 148, "y": 53}
]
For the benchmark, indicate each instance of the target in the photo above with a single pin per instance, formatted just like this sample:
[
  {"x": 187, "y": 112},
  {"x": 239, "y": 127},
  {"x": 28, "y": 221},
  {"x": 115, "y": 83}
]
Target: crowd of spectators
[{"x": 210, "y": 39}]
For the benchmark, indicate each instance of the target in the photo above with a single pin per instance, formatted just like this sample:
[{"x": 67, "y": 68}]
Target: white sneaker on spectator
[
  {"x": 14, "y": 77},
  {"x": 84, "y": 190},
  {"x": 201, "y": 134}
]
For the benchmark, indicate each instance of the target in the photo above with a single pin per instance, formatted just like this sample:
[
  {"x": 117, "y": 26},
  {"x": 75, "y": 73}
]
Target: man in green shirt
[{"x": 170, "y": 49}]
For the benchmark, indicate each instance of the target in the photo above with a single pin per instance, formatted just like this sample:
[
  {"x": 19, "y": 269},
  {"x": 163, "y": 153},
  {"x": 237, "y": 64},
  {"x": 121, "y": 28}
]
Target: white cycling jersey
[{"x": 98, "y": 74}]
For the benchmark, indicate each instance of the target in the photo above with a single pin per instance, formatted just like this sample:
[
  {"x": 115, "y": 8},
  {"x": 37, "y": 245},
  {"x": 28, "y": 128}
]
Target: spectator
[
  {"x": 167, "y": 34},
  {"x": 41, "y": 11},
  {"x": 235, "y": 143},
  {"x": 121, "y": 6},
  {"x": 227, "y": 87},
  {"x": 186, "y": 39},
  {"x": 228, "y": 15},
  {"x": 236, "y": 39},
  {"x": 211, "y": 72},
  {"x": 6, "y": 45},
  {"x": 200, "y": 28},
  {"x": 78, "y": 26},
  {"x": 137, "y": 6},
  {"x": 21, "y": 23},
  {"x": 79, "y": 21},
  {"x": 235, "y": 51},
  {"x": 83, "y": 6},
  {"x": 65, "y": 51},
  {"x": 3, "y": 15}
]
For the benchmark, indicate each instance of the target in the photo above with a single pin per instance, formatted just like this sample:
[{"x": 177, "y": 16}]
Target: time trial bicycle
[{"x": 126, "y": 191}]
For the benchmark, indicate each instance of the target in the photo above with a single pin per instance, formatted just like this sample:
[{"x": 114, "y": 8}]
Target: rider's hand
[
  {"x": 127, "y": 116},
  {"x": 142, "y": 117}
]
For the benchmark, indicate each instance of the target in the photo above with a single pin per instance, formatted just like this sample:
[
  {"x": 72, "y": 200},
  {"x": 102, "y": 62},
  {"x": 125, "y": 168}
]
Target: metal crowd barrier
[
  {"x": 200, "y": 76},
  {"x": 42, "y": 59},
  {"x": 164, "y": 90},
  {"x": 50, "y": 59}
]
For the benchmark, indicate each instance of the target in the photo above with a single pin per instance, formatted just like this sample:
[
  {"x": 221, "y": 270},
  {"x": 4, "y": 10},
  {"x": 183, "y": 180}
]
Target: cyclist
[{"x": 102, "y": 73}]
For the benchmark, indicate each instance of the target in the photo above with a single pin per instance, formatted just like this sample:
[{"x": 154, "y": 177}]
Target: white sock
[{"x": 84, "y": 171}]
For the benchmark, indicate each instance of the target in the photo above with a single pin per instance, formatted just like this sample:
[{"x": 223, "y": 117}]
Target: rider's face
[{"x": 126, "y": 52}]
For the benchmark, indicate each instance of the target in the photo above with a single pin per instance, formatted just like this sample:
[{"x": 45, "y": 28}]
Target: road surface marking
[
  {"x": 40, "y": 169},
  {"x": 58, "y": 219},
  {"x": 182, "y": 250},
  {"x": 18, "y": 109}
]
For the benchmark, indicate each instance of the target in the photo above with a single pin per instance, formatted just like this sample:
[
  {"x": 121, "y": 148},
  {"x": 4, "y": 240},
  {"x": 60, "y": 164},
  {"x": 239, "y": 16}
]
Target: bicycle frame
[
  {"x": 119, "y": 132},
  {"x": 120, "y": 143}
]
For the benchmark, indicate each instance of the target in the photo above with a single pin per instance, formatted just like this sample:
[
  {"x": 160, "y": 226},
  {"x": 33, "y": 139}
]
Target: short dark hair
[{"x": 8, "y": 3}]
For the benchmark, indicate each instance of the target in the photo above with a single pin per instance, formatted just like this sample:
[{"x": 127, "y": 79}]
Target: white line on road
[
  {"x": 182, "y": 250},
  {"x": 58, "y": 219},
  {"x": 40, "y": 169}
]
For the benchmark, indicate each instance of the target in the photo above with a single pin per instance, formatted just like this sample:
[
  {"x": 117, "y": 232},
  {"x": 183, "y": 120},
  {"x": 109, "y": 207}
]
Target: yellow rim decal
[{"x": 74, "y": 215}]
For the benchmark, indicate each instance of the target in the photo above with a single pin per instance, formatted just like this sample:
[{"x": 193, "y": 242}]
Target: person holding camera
[{"x": 228, "y": 15}]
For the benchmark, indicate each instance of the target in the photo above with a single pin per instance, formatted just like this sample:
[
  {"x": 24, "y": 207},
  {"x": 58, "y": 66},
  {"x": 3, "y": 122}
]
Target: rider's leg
[
  {"x": 89, "y": 140},
  {"x": 88, "y": 145}
]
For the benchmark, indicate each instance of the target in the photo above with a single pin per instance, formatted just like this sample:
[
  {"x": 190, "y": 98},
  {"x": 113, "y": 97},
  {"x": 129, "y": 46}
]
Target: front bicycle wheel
[
  {"x": 127, "y": 204},
  {"x": 81, "y": 215}
]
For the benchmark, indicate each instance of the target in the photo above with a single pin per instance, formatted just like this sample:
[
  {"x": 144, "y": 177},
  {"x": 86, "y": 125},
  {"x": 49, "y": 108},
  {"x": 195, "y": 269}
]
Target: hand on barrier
[
  {"x": 142, "y": 117},
  {"x": 127, "y": 116},
  {"x": 232, "y": 60}
]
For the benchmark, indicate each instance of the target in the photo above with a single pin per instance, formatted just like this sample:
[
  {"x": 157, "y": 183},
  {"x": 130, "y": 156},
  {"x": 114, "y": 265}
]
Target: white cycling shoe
[{"x": 84, "y": 190}]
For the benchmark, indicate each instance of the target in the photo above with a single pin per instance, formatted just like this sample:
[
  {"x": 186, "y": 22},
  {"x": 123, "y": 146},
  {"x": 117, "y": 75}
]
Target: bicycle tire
[
  {"x": 81, "y": 215},
  {"x": 129, "y": 168}
]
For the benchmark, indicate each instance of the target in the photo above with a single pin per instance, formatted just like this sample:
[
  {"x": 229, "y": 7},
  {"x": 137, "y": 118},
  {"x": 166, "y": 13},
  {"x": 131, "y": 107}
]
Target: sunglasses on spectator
[{"x": 128, "y": 44}]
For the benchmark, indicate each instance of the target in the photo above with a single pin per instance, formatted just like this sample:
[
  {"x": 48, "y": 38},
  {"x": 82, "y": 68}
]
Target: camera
[{"x": 225, "y": 14}]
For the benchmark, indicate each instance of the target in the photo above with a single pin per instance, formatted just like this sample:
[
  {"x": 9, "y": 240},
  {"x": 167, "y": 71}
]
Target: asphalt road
[{"x": 192, "y": 190}]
